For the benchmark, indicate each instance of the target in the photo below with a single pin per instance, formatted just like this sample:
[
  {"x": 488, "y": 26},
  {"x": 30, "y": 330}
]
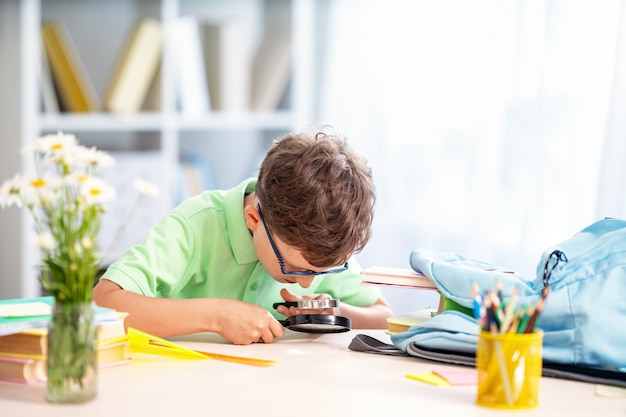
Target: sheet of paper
[
  {"x": 446, "y": 378},
  {"x": 458, "y": 377},
  {"x": 429, "y": 378},
  {"x": 610, "y": 391},
  {"x": 25, "y": 309}
]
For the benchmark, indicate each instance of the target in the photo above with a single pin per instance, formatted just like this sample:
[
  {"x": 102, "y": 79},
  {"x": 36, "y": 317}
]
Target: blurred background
[{"x": 495, "y": 129}]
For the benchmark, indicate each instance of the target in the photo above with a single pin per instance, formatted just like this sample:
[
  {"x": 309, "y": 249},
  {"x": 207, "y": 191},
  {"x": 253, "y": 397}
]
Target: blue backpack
[{"x": 584, "y": 316}]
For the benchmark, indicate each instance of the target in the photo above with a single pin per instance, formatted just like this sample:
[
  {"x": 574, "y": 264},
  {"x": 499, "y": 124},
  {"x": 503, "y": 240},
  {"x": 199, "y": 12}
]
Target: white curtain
[{"x": 494, "y": 128}]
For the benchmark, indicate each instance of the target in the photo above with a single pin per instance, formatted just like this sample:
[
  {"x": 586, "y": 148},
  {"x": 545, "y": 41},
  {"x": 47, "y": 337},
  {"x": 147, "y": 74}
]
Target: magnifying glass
[{"x": 315, "y": 323}]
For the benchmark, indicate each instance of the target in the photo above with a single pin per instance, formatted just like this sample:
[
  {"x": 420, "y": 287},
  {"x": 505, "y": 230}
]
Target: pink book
[{"x": 22, "y": 369}]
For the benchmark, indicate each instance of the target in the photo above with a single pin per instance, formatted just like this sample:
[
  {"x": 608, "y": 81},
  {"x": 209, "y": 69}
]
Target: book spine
[
  {"x": 271, "y": 71},
  {"x": 228, "y": 65},
  {"x": 189, "y": 68},
  {"x": 70, "y": 77},
  {"x": 136, "y": 68}
]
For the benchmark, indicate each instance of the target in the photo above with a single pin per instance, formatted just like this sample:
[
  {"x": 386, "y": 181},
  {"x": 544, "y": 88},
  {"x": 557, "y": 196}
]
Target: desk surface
[{"x": 316, "y": 376}]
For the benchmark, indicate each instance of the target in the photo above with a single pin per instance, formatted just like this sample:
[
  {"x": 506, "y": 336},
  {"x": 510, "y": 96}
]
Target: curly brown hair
[{"x": 317, "y": 195}]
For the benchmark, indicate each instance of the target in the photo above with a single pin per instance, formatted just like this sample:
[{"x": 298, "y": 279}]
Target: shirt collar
[{"x": 240, "y": 239}]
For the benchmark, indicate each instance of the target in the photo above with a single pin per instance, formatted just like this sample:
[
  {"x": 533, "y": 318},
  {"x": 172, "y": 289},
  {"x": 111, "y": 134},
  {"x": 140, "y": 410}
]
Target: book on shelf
[
  {"x": 136, "y": 68},
  {"x": 271, "y": 70},
  {"x": 228, "y": 64},
  {"x": 152, "y": 103},
  {"x": 73, "y": 84},
  {"x": 49, "y": 98},
  {"x": 396, "y": 277},
  {"x": 192, "y": 93},
  {"x": 402, "y": 322}
]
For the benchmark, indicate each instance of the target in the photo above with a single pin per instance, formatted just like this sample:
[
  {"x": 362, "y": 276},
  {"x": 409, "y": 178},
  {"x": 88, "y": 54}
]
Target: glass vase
[{"x": 72, "y": 362}]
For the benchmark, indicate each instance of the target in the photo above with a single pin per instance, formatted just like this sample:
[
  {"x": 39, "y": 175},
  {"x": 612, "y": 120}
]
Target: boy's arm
[
  {"x": 371, "y": 317},
  {"x": 238, "y": 322}
]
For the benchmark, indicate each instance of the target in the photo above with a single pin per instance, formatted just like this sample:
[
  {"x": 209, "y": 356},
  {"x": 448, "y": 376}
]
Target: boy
[{"x": 208, "y": 265}]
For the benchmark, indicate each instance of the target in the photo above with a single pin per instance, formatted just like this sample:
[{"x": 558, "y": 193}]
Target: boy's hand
[
  {"x": 288, "y": 296},
  {"x": 247, "y": 323}
]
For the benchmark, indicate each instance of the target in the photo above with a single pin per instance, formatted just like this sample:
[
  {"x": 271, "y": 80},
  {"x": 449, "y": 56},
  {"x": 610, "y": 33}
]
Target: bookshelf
[{"x": 231, "y": 142}]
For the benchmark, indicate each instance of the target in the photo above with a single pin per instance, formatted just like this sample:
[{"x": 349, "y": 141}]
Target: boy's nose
[{"x": 305, "y": 280}]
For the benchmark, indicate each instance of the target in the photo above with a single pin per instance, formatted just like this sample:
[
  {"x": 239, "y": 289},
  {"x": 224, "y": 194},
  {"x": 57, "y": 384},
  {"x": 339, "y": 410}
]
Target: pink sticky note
[{"x": 458, "y": 377}]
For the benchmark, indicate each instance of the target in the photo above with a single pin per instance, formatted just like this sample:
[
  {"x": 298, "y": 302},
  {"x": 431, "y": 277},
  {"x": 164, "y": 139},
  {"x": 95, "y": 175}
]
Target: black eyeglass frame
[{"x": 281, "y": 261}]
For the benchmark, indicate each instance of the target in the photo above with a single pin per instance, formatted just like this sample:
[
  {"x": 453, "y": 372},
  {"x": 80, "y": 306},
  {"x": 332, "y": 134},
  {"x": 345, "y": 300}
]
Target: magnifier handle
[{"x": 287, "y": 304}]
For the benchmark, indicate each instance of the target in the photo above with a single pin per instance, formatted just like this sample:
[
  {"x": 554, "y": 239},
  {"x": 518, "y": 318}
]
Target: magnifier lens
[
  {"x": 315, "y": 323},
  {"x": 318, "y": 328},
  {"x": 318, "y": 323}
]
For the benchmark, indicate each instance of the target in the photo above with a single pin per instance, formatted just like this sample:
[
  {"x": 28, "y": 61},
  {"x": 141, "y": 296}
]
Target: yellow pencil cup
[{"x": 509, "y": 370}]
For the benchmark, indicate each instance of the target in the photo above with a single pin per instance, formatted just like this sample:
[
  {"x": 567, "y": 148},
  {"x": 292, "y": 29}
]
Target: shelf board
[
  {"x": 248, "y": 120},
  {"x": 85, "y": 122},
  {"x": 109, "y": 122}
]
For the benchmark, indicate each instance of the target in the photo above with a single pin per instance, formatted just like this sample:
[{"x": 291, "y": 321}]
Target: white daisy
[
  {"x": 146, "y": 187},
  {"x": 95, "y": 191},
  {"x": 11, "y": 192},
  {"x": 46, "y": 241},
  {"x": 56, "y": 142},
  {"x": 93, "y": 157}
]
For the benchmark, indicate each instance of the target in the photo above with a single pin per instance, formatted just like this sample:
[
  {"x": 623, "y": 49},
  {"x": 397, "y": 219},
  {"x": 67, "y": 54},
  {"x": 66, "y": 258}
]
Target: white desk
[{"x": 316, "y": 376}]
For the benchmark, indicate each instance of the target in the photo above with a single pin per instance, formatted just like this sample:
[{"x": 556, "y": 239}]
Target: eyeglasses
[{"x": 281, "y": 261}]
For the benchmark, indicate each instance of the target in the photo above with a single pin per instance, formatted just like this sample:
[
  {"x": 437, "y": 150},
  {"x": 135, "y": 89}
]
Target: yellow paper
[
  {"x": 610, "y": 391},
  {"x": 144, "y": 342},
  {"x": 430, "y": 378}
]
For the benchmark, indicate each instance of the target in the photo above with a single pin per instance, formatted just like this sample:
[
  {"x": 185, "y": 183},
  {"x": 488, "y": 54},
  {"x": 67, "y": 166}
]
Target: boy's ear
[{"x": 252, "y": 217}]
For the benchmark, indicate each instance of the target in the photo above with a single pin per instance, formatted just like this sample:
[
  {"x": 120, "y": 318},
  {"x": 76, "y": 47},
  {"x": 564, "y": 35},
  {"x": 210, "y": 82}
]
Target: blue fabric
[{"x": 585, "y": 312}]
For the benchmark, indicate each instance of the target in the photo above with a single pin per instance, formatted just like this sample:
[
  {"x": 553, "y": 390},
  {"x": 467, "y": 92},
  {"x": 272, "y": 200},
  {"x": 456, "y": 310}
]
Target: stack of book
[
  {"x": 396, "y": 277},
  {"x": 23, "y": 339},
  {"x": 402, "y": 278}
]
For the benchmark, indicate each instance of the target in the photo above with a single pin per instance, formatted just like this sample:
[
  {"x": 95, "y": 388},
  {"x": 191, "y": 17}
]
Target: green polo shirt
[{"x": 203, "y": 248}]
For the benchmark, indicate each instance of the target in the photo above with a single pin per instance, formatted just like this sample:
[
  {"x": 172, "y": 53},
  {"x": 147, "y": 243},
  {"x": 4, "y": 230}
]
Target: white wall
[{"x": 10, "y": 240}]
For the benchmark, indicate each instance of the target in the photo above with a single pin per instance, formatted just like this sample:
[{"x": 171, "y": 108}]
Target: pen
[
  {"x": 509, "y": 311},
  {"x": 492, "y": 324},
  {"x": 495, "y": 315},
  {"x": 499, "y": 289},
  {"x": 533, "y": 319},
  {"x": 523, "y": 323},
  {"x": 478, "y": 301}
]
